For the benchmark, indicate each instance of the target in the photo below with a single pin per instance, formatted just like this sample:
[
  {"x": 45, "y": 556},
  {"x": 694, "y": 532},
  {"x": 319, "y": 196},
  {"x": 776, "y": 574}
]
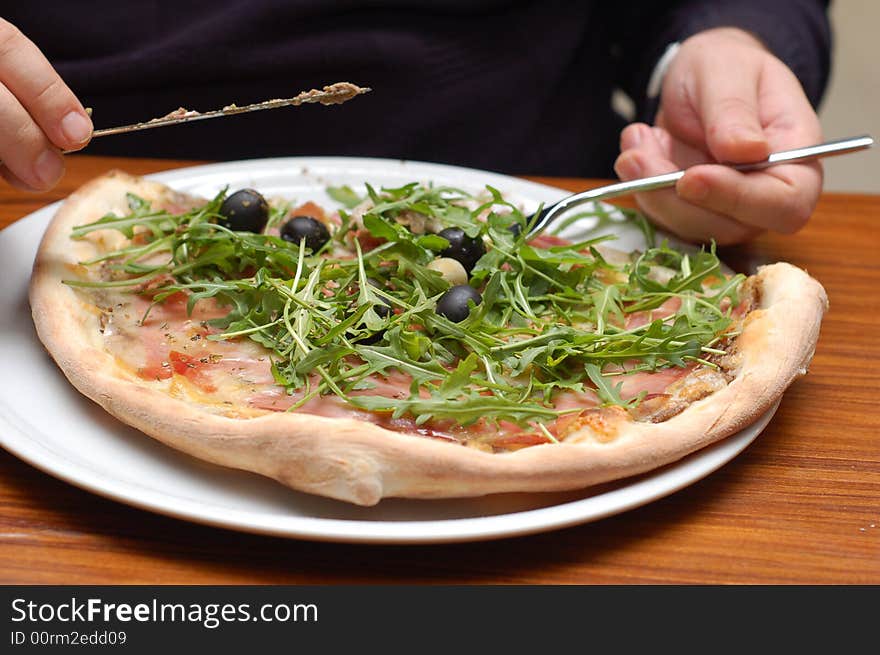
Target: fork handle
[{"x": 808, "y": 153}]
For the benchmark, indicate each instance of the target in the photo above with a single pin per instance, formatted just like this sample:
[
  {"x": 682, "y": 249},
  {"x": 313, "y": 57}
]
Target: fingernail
[
  {"x": 631, "y": 137},
  {"x": 637, "y": 135},
  {"x": 49, "y": 167},
  {"x": 76, "y": 127},
  {"x": 748, "y": 144},
  {"x": 693, "y": 189}
]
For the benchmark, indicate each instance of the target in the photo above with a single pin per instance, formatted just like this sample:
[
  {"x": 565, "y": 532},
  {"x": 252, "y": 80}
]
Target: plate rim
[{"x": 457, "y": 530}]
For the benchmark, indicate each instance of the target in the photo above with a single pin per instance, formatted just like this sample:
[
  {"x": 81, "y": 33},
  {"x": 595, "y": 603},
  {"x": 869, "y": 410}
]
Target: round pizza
[{"x": 416, "y": 342}]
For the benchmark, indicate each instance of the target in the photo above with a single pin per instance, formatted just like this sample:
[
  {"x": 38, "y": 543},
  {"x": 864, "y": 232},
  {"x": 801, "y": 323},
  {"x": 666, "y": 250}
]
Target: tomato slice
[{"x": 192, "y": 368}]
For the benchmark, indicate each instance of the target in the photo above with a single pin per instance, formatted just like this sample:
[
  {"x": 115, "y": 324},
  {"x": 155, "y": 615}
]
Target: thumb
[{"x": 729, "y": 113}]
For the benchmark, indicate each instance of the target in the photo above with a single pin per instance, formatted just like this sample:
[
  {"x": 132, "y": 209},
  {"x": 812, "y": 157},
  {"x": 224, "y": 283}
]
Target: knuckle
[
  {"x": 728, "y": 232},
  {"x": 22, "y": 137},
  {"x": 10, "y": 37},
  {"x": 730, "y": 120},
  {"x": 738, "y": 202},
  {"x": 730, "y": 110},
  {"x": 27, "y": 137},
  {"x": 733, "y": 104},
  {"x": 796, "y": 204},
  {"x": 797, "y": 214},
  {"x": 736, "y": 233},
  {"x": 53, "y": 96}
]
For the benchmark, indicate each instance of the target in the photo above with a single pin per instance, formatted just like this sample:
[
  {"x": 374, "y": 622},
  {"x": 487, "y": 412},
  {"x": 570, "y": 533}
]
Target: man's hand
[
  {"x": 726, "y": 99},
  {"x": 39, "y": 115}
]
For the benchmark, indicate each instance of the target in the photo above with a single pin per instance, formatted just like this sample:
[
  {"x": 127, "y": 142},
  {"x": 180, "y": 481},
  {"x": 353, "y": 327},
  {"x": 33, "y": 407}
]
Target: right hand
[
  {"x": 39, "y": 115},
  {"x": 726, "y": 98}
]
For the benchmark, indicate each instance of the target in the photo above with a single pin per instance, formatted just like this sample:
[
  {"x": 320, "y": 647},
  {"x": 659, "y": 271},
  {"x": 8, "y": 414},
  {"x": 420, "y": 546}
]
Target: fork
[{"x": 540, "y": 220}]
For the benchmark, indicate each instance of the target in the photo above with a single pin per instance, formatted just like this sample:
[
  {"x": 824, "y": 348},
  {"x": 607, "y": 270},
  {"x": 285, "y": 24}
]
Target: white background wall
[{"x": 852, "y": 101}]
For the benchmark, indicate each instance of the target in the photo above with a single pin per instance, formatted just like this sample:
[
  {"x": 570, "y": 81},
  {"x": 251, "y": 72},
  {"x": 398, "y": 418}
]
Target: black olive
[
  {"x": 515, "y": 229},
  {"x": 369, "y": 339},
  {"x": 454, "y": 303},
  {"x": 383, "y": 311},
  {"x": 305, "y": 227},
  {"x": 245, "y": 211},
  {"x": 462, "y": 248}
]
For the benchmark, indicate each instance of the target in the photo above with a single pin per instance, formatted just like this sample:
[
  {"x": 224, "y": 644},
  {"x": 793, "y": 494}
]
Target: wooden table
[{"x": 800, "y": 505}]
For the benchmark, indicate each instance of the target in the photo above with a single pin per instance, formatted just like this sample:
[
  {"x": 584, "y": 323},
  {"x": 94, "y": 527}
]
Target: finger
[
  {"x": 782, "y": 200},
  {"x": 24, "y": 149},
  {"x": 668, "y": 210},
  {"x": 631, "y": 136},
  {"x": 31, "y": 79},
  {"x": 654, "y": 143},
  {"x": 677, "y": 151},
  {"x": 729, "y": 110},
  {"x": 789, "y": 118},
  {"x": 14, "y": 181}
]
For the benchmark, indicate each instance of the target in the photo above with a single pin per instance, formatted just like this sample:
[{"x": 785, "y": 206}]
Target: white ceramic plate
[{"x": 47, "y": 423}]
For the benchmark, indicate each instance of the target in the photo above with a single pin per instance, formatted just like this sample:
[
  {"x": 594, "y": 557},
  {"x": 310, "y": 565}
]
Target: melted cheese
[
  {"x": 161, "y": 345},
  {"x": 234, "y": 378}
]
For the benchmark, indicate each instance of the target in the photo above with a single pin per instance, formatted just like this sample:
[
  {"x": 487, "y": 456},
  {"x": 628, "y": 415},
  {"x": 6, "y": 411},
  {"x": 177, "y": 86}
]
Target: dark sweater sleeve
[{"x": 796, "y": 31}]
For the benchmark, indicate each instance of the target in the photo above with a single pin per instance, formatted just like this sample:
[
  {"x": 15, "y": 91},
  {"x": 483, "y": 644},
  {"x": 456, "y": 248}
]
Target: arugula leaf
[
  {"x": 466, "y": 410},
  {"x": 607, "y": 303},
  {"x": 549, "y": 320},
  {"x": 608, "y": 393},
  {"x": 345, "y": 196}
]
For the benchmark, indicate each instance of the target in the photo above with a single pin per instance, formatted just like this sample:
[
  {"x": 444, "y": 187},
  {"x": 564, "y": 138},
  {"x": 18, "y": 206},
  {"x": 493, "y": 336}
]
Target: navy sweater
[{"x": 517, "y": 86}]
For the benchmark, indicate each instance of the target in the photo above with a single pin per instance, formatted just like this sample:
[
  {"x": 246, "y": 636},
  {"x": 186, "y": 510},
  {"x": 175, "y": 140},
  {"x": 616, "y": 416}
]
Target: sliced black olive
[
  {"x": 454, "y": 303},
  {"x": 515, "y": 229},
  {"x": 244, "y": 211},
  {"x": 384, "y": 310},
  {"x": 462, "y": 248},
  {"x": 369, "y": 339},
  {"x": 305, "y": 227}
]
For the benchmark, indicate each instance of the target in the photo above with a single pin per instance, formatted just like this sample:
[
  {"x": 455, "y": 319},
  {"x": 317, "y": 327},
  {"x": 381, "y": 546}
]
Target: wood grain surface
[{"x": 800, "y": 505}]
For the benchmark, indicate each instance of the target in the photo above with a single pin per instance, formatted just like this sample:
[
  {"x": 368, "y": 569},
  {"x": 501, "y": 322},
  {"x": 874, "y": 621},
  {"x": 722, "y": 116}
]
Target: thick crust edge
[{"x": 362, "y": 463}]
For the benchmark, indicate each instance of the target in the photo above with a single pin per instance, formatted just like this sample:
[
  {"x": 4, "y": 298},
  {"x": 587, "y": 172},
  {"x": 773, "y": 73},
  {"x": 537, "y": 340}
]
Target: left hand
[{"x": 725, "y": 98}]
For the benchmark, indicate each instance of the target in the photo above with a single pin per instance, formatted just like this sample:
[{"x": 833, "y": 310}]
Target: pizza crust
[{"x": 362, "y": 463}]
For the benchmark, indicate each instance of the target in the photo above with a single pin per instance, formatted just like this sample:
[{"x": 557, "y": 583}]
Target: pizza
[{"x": 412, "y": 342}]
